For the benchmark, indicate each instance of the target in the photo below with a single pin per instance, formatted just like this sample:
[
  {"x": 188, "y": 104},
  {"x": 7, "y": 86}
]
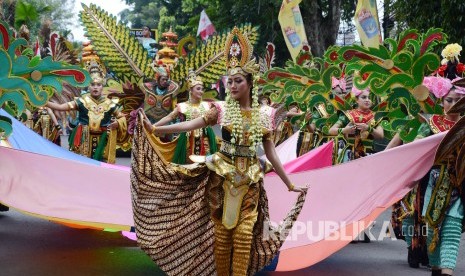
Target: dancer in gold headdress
[
  {"x": 217, "y": 209},
  {"x": 100, "y": 122},
  {"x": 199, "y": 142}
]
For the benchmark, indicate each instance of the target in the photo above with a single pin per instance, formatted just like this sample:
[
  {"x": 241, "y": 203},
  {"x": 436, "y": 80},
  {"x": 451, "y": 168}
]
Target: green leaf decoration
[
  {"x": 120, "y": 51},
  {"x": 394, "y": 73},
  {"x": 308, "y": 83},
  {"x": 25, "y": 81},
  {"x": 207, "y": 60}
]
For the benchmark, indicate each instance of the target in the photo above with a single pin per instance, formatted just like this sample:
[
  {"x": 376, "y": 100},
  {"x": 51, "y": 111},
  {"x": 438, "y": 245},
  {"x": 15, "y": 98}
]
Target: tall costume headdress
[
  {"x": 448, "y": 75},
  {"x": 238, "y": 53},
  {"x": 161, "y": 71},
  {"x": 451, "y": 67},
  {"x": 193, "y": 79},
  {"x": 96, "y": 72}
]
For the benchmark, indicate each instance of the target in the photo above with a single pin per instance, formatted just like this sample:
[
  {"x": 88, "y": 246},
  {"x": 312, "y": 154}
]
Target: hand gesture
[
  {"x": 145, "y": 120},
  {"x": 113, "y": 125},
  {"x": 298, "y": 189},
  {"x": 349, "y": 129},
  {"x": 362, "y": 126}
]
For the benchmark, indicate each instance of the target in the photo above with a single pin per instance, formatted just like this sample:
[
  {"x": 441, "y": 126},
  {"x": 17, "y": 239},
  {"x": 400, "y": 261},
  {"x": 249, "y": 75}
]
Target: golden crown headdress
[
  {"x": 96, "y": 72},
  {"x": 239, "y": 54},
  {"x": 193, "y": 79}
]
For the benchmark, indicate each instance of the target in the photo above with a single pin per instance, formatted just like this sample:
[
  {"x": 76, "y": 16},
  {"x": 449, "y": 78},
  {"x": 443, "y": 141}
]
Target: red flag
[
  {"x": 206, "y": 27},
  {"x": 37, "y": 47}
]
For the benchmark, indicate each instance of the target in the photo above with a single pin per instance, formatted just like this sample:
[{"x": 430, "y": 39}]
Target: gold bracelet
[
  {"x": 154, "y": 129},
  {"x": 291, "y": 187}
]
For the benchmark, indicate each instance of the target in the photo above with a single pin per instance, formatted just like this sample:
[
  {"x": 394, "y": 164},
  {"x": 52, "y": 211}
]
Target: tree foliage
[
  {"x": 448, "y": 15},
  {"x": 144, "y": 13},
  {"x": 322, "y": 18},
  {"x": 34, "y": 12}
]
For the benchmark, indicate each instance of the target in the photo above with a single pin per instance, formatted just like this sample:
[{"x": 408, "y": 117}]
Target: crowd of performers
[{"x": 211, "y": 186}]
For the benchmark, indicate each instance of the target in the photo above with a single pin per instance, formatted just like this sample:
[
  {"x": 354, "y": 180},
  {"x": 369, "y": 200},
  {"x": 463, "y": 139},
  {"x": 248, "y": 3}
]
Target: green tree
[
  {"x": 34, "y": 12},
  {"x": 28, "y": 14},
  {"x": 321, "y": 17},
  {"x": 166, "y": 21},
  {"x": 7, "y": 11},
  {"x": 144, "y": 13},
  {"x": 448, "y": 15},
  {"x": 59, "y": 12}
]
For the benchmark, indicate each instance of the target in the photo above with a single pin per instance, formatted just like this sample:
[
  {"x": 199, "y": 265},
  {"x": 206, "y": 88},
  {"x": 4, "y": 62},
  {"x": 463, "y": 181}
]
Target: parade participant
[
  {"x": 407, "y": 218},
  {"x": 310, "y": 136},
  {"x": 46, "y": 125},
  {"x": 220, "y": 205},
  {"x": 442, "y": 209},
  {"x": 285, "y": 128},
  {"x": 148, "y": 42},
  {"x": 197, "y": 142},
  {"x": 160, "y": 97},
  {"x": 100, "y": 122},
  {"x": 358, "y": 128}
]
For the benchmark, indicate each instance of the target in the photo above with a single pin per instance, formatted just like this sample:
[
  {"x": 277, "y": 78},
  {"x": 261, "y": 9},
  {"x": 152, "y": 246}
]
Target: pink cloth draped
[
  {"x": 315, "y": 159},
  {"x": 64, "y": 189},
  {"x": 342, "y": 200},
  {"x": 347, "y": 194}
]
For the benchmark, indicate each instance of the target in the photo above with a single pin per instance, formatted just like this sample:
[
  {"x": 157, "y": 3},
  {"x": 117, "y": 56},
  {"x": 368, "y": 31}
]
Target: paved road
[{"x": 31, "y": 246}]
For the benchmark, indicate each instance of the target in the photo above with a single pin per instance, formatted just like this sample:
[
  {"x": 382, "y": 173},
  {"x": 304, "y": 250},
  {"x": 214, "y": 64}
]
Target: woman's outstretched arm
[
  {"x": 176, "y": 128},
  {"x": 270, "y": 152},
  {"x": 62, "y": 107},
  {"x": 167, "y": 119}
]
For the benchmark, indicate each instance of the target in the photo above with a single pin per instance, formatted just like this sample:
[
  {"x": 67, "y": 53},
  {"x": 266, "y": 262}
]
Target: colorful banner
[
  {"x": 292, "y": 26},
  {"x": 367, "y": 23}
]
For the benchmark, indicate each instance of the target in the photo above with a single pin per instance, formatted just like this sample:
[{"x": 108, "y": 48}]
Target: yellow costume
[{"x": 91, "y": 137}]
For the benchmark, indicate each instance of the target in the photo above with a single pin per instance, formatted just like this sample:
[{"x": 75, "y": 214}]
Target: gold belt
[{"x": 236, "y": 150}]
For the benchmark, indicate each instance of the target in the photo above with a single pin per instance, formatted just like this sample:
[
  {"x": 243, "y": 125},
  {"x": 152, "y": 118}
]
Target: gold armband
[{"x": 70, "y": 105}]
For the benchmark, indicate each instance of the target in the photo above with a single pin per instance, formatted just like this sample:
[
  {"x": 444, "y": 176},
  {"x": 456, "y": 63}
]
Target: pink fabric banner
[
  {"x": 318, "y": 158},
  {"x": 64, "y": 189},
  {"x": 287, "y": 150},
  {"x": 341, "y": 196},
  {"x": 342, "y": 200}
]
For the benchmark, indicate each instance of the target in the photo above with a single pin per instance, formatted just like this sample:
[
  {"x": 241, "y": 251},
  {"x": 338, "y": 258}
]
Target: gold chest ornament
[{"x": 97, "y": 110}]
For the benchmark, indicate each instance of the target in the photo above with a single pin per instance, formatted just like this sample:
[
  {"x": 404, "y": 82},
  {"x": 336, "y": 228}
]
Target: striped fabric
[
  {"x": 172, "y": 216},
  {"x": 446, "y": 252}
]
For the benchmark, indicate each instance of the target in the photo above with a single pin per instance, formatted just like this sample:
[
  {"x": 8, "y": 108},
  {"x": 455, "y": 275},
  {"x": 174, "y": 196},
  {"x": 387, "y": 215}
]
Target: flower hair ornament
[
  {"x": 339, "y": 82},
  {"x": 356, "y": 92},
  {"x": 451, "y": 66},
  {"x": 451, "y": 53},
  {"x": 238, "y": 53},
  {"x": 440, "y": 87}
]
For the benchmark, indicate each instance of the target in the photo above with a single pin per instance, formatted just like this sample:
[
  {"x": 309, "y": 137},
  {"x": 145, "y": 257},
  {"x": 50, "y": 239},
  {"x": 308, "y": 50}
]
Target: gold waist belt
[{"x": 236, "y": 150}]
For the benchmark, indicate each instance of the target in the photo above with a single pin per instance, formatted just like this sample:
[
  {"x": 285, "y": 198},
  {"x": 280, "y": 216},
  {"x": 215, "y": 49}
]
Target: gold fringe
[
  {"x": 111, "y": 147},
  {"x": 434, "y": 240}
]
